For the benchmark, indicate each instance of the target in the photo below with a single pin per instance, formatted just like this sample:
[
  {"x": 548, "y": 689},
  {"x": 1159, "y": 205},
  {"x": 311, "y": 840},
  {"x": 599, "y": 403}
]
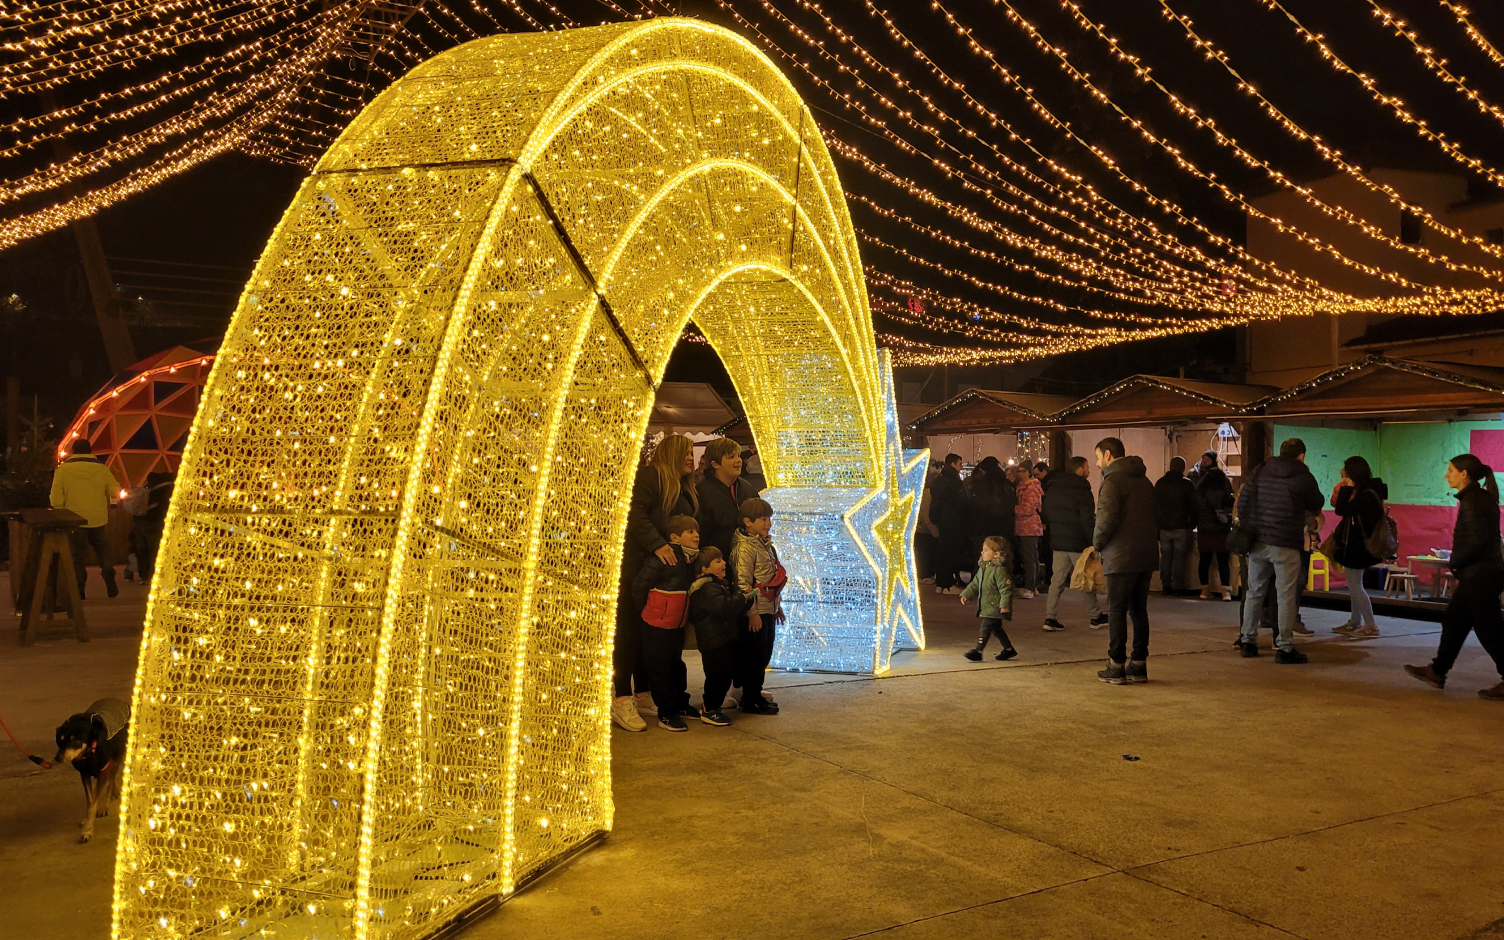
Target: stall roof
[
  {"x": 1375, "y": 386},
  {"x": 985, "y": 411},
  {"x": 689, "y": 405},
  {"x": 1155, "y": 399}
]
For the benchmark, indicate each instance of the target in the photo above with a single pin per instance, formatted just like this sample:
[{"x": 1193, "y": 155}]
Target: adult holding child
[
  {"x": 1478, "y": 566},
  {"x": 659, "y": 493}
]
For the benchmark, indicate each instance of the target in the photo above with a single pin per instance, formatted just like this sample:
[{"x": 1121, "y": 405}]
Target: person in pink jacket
[{"x": 1027, "y": 525}]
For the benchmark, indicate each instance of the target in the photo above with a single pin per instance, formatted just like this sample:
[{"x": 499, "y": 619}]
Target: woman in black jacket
[
  {"x": 1478, "y": 566},
  {"x": 1213, "y": 522},
  {"x": 662, "y": 489},
  {"x": 1359, "y": 503}
]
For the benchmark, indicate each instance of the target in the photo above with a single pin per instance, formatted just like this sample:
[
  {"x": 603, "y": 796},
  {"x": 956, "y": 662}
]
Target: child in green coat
[{"x": 993, "y": 591}]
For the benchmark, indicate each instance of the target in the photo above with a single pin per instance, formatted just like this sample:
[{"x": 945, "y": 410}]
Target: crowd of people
[
  {"x": 698, "y": 561},
  {"x": 1021, "y": 528}
]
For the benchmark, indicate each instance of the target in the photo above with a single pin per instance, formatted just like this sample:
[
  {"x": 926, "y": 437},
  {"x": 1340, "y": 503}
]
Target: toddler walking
[{"x": 992, "y": 589}]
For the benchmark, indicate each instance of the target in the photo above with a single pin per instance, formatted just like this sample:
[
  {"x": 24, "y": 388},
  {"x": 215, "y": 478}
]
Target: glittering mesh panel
[
  {"x": 374, "y": 685},
  {"x": 258, "y": 661}
]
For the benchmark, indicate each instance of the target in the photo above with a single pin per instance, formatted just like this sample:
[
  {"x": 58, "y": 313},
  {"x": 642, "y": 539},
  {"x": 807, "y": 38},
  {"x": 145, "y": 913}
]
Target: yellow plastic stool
[{"x": 1324, "y": 573}]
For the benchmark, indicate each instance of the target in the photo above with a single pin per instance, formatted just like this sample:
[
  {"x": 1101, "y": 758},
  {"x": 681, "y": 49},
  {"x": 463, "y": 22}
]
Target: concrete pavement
[{"x": 1340, "y": 799}]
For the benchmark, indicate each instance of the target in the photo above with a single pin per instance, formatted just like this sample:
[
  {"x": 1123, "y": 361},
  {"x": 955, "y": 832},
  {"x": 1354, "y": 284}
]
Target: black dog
[{"x": 94, "y": 741}]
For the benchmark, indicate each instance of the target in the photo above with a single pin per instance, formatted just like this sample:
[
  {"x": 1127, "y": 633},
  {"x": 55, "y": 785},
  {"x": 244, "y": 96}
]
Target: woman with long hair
[
  {"x": 1477, "y": 563},
  {"x": 1213, "y": 522},
  {"x": 662, "y": 490},
  {"x": 1359, "y": 503}
]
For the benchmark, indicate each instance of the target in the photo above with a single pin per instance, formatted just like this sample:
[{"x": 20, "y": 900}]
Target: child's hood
[{"x": 701, "y": 582}]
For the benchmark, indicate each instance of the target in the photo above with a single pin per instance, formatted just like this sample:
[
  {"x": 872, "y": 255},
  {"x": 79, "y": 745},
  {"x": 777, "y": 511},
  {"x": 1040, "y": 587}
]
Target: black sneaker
[
  {"x": 1291, "y": 657},
  {"x": 687, "y": 711},
  {"x": 671, "y": 723},
  {"x": 1250, "y": 650},
  {"x": 974, "y": 655},
  {"x": 1006, "y": 654},
  {"x": 760, "y": 707},
  {"x": 1100, "y": 620},
  {"x": 1052, "y": 625},
  {"x": 1114, "y": 674},
  {"x": 715, "y": 717},
  {"x": 111, "y": 589},
  {"x": 1137, "y": 671}
]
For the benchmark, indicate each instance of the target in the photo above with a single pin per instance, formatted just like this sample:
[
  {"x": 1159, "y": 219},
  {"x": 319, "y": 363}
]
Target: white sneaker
[
  {"x": 645, "y": 705},
  {"x": 624, "y": 713},
  {"x": 1026, "y": 594}
]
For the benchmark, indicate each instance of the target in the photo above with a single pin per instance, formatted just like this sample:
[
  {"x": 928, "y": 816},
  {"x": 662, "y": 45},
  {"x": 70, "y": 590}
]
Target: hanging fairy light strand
[
  {"x": 1463, "y": 18},
  {"x": 1437, "y": 66}
]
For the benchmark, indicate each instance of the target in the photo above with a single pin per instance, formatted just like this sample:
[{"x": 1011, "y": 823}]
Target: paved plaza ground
[{"x": 1335, "y": 800}]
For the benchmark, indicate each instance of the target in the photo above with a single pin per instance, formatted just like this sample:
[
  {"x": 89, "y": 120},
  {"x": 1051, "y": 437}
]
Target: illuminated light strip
[
  {"x": 1169, "y": 206},
  {"x": 1461, "y": 13},
  {"x": 328, "y": 34},
  {"x": 255, "y": 50},
  {"x": 1437, "y": 66},
  {"x": 1222, "y": 138},
  {"x": 35, "y": 75},
  {"x": 1119, "y": 218},
  {"x": 1287, "y": 278},
  {"x": 1140, "y": 257},
  {"x": 1334, "y": 157}
]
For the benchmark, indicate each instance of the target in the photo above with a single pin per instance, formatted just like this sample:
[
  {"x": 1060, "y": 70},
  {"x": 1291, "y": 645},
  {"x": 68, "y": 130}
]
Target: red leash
[{"x": 45, "y": 765}]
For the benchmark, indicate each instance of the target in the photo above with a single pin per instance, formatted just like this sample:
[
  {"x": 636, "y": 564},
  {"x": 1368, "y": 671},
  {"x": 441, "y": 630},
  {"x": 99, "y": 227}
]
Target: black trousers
[
  {"x": 1127, "y": 597},
  {"x": 663, "y": 657},
  {"x": 1222, "y": 568},
  {"x": 950, "y": 556},
  {"x": 993, "y": 627},
  {"x": 626, "y": 657},
  {"x": 753, "y": 653},
  {"x": 79, "y": 540},
  {"x": 720, "y": 666},
  {"x": 1475, "y": 607}
]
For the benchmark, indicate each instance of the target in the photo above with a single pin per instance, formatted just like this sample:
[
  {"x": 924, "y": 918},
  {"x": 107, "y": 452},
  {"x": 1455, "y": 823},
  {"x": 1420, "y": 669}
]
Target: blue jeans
[
  {"x": 1280, "y": 565},
  {"x": 1174, "y": 551}
]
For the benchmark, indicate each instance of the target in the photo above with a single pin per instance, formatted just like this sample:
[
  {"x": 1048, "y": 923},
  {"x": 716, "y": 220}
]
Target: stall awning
[
  {"x": 688, "y": 406},
  {"x": 984, "y": 411},
  {"x": 1377, "y": 386},
  {"x": 1155, "y": 399}
]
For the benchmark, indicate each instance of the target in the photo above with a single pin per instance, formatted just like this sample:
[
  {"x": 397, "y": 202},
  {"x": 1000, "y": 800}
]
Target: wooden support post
[{"x": 1060, "y": 450}]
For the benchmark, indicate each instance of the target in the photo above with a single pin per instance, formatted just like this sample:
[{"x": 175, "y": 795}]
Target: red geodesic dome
[{"x": 139, "y": 421}]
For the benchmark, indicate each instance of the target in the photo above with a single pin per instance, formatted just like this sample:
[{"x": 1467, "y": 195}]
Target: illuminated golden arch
[{"x": 374, "y": 684}]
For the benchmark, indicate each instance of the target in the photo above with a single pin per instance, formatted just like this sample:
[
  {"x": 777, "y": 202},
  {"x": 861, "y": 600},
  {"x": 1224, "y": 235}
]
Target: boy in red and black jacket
[{"x": 662, "y": 595}]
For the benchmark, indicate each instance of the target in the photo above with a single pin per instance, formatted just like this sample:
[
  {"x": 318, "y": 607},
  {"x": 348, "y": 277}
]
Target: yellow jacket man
[{"x": 84, "y": 485}]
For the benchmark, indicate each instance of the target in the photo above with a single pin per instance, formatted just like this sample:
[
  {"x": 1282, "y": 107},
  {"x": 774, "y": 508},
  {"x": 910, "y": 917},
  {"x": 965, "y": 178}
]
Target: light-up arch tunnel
[{"x": 374, "y": 684}]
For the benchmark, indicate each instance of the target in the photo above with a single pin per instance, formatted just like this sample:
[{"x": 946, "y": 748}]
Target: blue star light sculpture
[{"x": 853, "y": 592}]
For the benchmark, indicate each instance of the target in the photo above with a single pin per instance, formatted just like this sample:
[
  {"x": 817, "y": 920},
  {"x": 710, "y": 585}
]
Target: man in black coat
[
  {"x": 722, "y": 492},
  {"x": 948, "y": 513},
  {"x": 1272, "y": 507},
  {"x": 1177, "y": 522},
  {"x": 1070, "y": 515},
  {"x": 1127, "y": 536}
]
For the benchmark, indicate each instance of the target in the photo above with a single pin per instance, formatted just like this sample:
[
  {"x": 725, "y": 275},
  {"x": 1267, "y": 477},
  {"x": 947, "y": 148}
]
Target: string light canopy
[
  {"x": 374, "y": 682},
  {"x": 972, "y": 178}
]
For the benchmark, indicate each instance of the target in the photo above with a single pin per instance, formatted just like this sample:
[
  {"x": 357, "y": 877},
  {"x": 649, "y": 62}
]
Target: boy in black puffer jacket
[
  {"x": 662, "y": 595},
  {"x": 716, "y": 610}
]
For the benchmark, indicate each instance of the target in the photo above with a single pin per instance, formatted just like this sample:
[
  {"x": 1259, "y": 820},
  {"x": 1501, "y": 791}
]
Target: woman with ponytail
[
  {"x": 661, "y": 491},
  {"x": 1478, "y": 564}
]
